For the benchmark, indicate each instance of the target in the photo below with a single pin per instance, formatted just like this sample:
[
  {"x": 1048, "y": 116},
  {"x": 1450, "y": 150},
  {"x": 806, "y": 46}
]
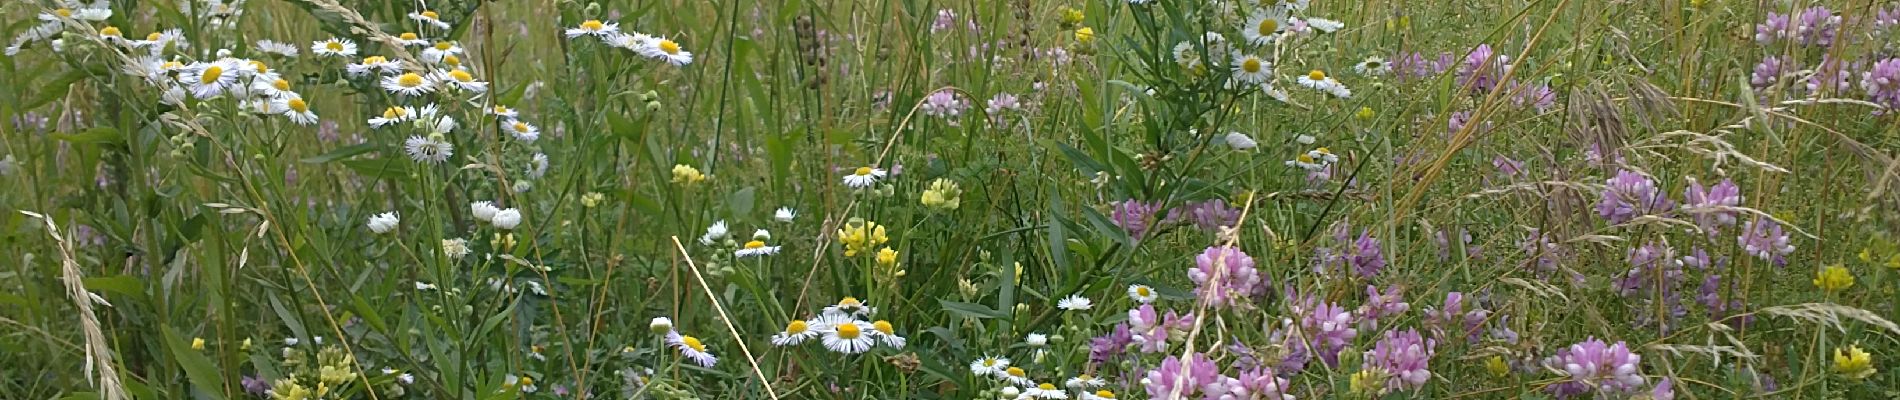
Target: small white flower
[
  {"x": 1011, "y": 392},
  {"x": 1304, "y": 139},
  {"x": 459, "y": 79},
  {"x": 1324, "y": 25},
  {"x": 1142, "y": 294},
  {"x": 334, "y": 47},
  {"x": 1036, "y": 340},
  {"x": 377, "y": 64},
  {"x": 797, "y": 331},
  {"x": 755, "y": 248},
  {"x": 1085, "y": 381},
  {"x": 1240, "y": 141},
  {"x": 850, "y": 337},
  {"x": 430, "y": 149},
  {"x": 429, "y": 17},
  {"x": 594, "y": 27},
  {"x": 1319, "y": 81},
  {"x": 667, "y": 50},
  {"x": 1075, "y": 302},
  {"x": 863, "y": 177},
  {"x": 506, "y": 219},
  {"x": 1372, "y": 66},
  {"x": 455, "y": 248},
  {"x": 483, "y": 210},
  {"x": 383, "y": 223},
  {"x": 1251, "y": 68},
  {"x": 420, "y": 285},
  {"x": 522, "y": 131},
  {"x": 691, "y": 349},
  {"x": 784, "y": 214},
  {"x": 1047, "y": 391},
  {"x": 393, "y": 115},
  {"x": 660, "y": 324},
  {"x": 408, "y": 84},
  {"x": 989, "y": 365},
  {"x": 1265, "y": 26},
  {"x": 268, "y": 46},
  {"x": 714, "y": 233}
]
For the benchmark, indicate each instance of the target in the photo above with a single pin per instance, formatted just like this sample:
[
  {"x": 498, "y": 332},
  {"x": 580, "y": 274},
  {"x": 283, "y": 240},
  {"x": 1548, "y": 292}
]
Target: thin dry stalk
[
  {"x": 98, "y": 354},
  {"x": 725, "y": 319}
]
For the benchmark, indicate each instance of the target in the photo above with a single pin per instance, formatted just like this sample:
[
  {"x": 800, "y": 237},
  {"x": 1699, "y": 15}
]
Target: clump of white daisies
[
  {"x": 1265, "y": 28},
  {"x": 846, "y": 327},
  {"x": 655, "y": 47}
]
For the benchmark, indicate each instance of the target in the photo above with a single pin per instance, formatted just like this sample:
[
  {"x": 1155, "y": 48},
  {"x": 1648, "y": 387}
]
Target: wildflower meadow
[{"x": 949, "y": 199}]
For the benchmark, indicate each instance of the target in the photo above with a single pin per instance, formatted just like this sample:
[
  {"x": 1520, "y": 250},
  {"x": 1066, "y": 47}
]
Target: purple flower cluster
[
  {"x": 1483, "y": 69},
  {"x": 1595, "y": 367},
  {"x": 1363, "y": 256},
  {"x": 1328, "y": 328},
  {"x": 1105, "y": 348},
  {"x": 1211, "y": 215},
  {"x": 1629, "y": 195},
  {"x": 1768, "y": 72},
  {"x": 1134, "y": 216},
  {"x": 1471, "y": 324},
  {"x": 1832, "y": 77},
  {"x": 1814, "y": 26},
  {"x": 1198, "y": 376},
  {"x": 1654, "y": 275},
  {"x": 1706, "y": 204},
  {"x": 1150, "y": 329},
  {"x": 945, "y": 104},
  {"x": 1225, "y": 277},
  {"x": 1882, "y": 81},
  {"x": 1408, "y": 66},
  {"x": 1390, "y": 303},
  {"x": 1443, "y": 240},
  {"x": 1536, "y": 96},
  {"x": 1405, "y": 355},
  {"x": 1764, "y": 239}
]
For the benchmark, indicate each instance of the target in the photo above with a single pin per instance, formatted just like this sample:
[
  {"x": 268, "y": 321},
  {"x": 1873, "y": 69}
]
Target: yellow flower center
[
  {"x": 1085, "y": 377},
  {"x": 525, "y": 381},
  {"x": 849, "y": 302},
  {"x": 592, "y": 25},
  {"x": 334, "y": 46},
  {"x": 501, "y": 109},
  {"x": 849, "y": 331},
  {"x": 64, "y": 12},
  {"x": 693, "y": 343},
  {"x": 1142, "y": 291},
  {"x": 408, "y": 36},
  {"x": 1317, "y": 75},
  {"x": 1323, "y": 150},
  {"x": 1304, "y": 158},
  {"x": 172, "y": 65},
  {"x": 796, "y": 327},
  {"x": 281, "y": 84},
  {"x": 884, "y": 327},
  {"x": 430, "y": 14},
  {"x": 1015, "y": 371},
  {"x": 298, "y": 105},
  {"x": 989, "y": 362},
  {"x": 521, "y": 126},
  {"x": 1250, "y": 65},
  {"x": 862, "y": 171},
  {"x": 451, "y": 60},
  {"x": 669, "y": 47},
  {"x": 409, "y": 80},
  {"x": 1046, "y": 386},
  {"x": 393, "y": 112},
  {"x": 753, "y": 245},
  {"x": 211, "y": 75},
  {"x": 444, "y": 46},
  {"x": 112, "y": 31},
  {"x": 1105, "y": 394},
  {"x": 1268, "y": 26},
  {"x": 153, "y": 37},
  {"x": 261, "y": 68},
  {"x": 461, "y": 76}
]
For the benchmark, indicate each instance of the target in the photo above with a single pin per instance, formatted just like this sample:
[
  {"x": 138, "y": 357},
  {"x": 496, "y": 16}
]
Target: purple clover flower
[
  {"x": 1225, "y": 277},
  {"x": 1595, "y": 367},
  {"x": 1701, "y": 202},
  {"x": 1764, "y": 239},
  {"x": 1773, "y": 28},
  {"x": 945, "y": 104},
  {"x": 1367, "y": 258},
  {"x": 1629, "y": 195},
  {"x": 1882, "y": 80},
  {"x": 1406, "y": 355},
  {"x": 1134, "y": 216},
  {"x": 1483, "y": 69},
  {"x": 1379, "y": 305},
  {"x": 1104, "y": 348},
  {"x": 1328, "y": 329},
  {"x": 1213, "y": 214},
  {"x": 1190, "y": 375},
  {"x": 1768, "y": 72}
]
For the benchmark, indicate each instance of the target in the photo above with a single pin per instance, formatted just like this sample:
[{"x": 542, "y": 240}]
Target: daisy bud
[
  {"x": 483, "y": 210},
  {"x": 507, "y": 219},
  {"x": 660, "y": 325}
]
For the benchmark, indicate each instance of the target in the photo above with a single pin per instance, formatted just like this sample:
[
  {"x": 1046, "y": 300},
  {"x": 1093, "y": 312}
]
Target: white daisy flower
[
  {"x": 429, "y": 17},
  {"x": 692, "y": 349},
  {"x": 755, "y": 248},
  {"x": 662, "y": 325},
  {"x": 208, "y": 80},
  {"x": 988, "y": 366},
  {"x": 1275, "y": 93},
  {"x": 83, "y": 12},
  {"x": 1318, "y": 80},
  {"x": 1239, "y": 141},
  {"x": 784, "y": 214},
  {"x": 888, "y": 334},
  {"x": 1085, "y": 381},
  {"x": 1103, "y": 394},
  {"x": 483, "y": 210},
  {"x": 667, "y": 50},
  {"x": 863, "y": 177},
  {"x": 537, "y": 165},
  {"x": 1036, "y": 340},
  {"x": 455, "y": 248},
  {"x": 1011, "y": 392},
  {"x": 430, "y": 149},
  {"x": 268, "y": 46},
  {"x": 850, "y": 337},
  {"x": 435, "y": 54},
  {"x": 631, "y": 41},
  {"x": 393, "y": 115},
  {"x": 334, "y": 47},
  {"x": 850, "y": 306},
  {"x": 411, "y": 39},
  {"x": 1265, "y": 26},
  {"x": 1323, "y": 154},
  {"x": 378, "y": 64},
  {"x": 1015, "y": 376},
  {"x": 1325, "y": 25},
  {"x": 502, "y": 111},
  {"x": 1075, "y": 302},
  {"x": 797, "y": 331},
  {"x": 408, "y": 84},
  {"x": 522, "y": 131},
  {"x": 1046, "y": 391},
  {"x": 1251, "y": 69},
  {"x": 294, "y": 107},
  {"x": 459, "y": 79},
  {"x": 1372, "y": 66},
  {"x": 594, "y": 27},
  {"x": 1142, "y": 294},
  {"x": 507, "y": 219},
  {"x": 714, "y": 233},
  {"x": 1304, "y": 139},
  {"x": 383, "y": 223},
  {"x": 1187, "y": 55}
]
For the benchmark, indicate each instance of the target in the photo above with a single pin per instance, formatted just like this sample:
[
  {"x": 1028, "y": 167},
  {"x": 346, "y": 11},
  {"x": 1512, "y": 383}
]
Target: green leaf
[
  {"x": 386, "y": 168},
  {"x": 198, "y": 368},
  {"x": 340, "y": 153},
  {"x": 740, "y": 203},
  {"x": 99, "y": 135},
  {"x": 290, "y": 320},
  {"x": 121, "y": 284},
  {"x": 369, "y": 314},
  {"x": 55, "y": 89},
  {"x": 969, "y": 310},
  {"x": 1105, "y": 227}
]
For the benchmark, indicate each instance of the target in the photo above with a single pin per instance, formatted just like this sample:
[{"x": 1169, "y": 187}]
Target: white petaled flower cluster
[
  {"x": 655, "y": 47},
  {"x": 504, "y": 219},
  {"x": 844, "y": 328}
]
